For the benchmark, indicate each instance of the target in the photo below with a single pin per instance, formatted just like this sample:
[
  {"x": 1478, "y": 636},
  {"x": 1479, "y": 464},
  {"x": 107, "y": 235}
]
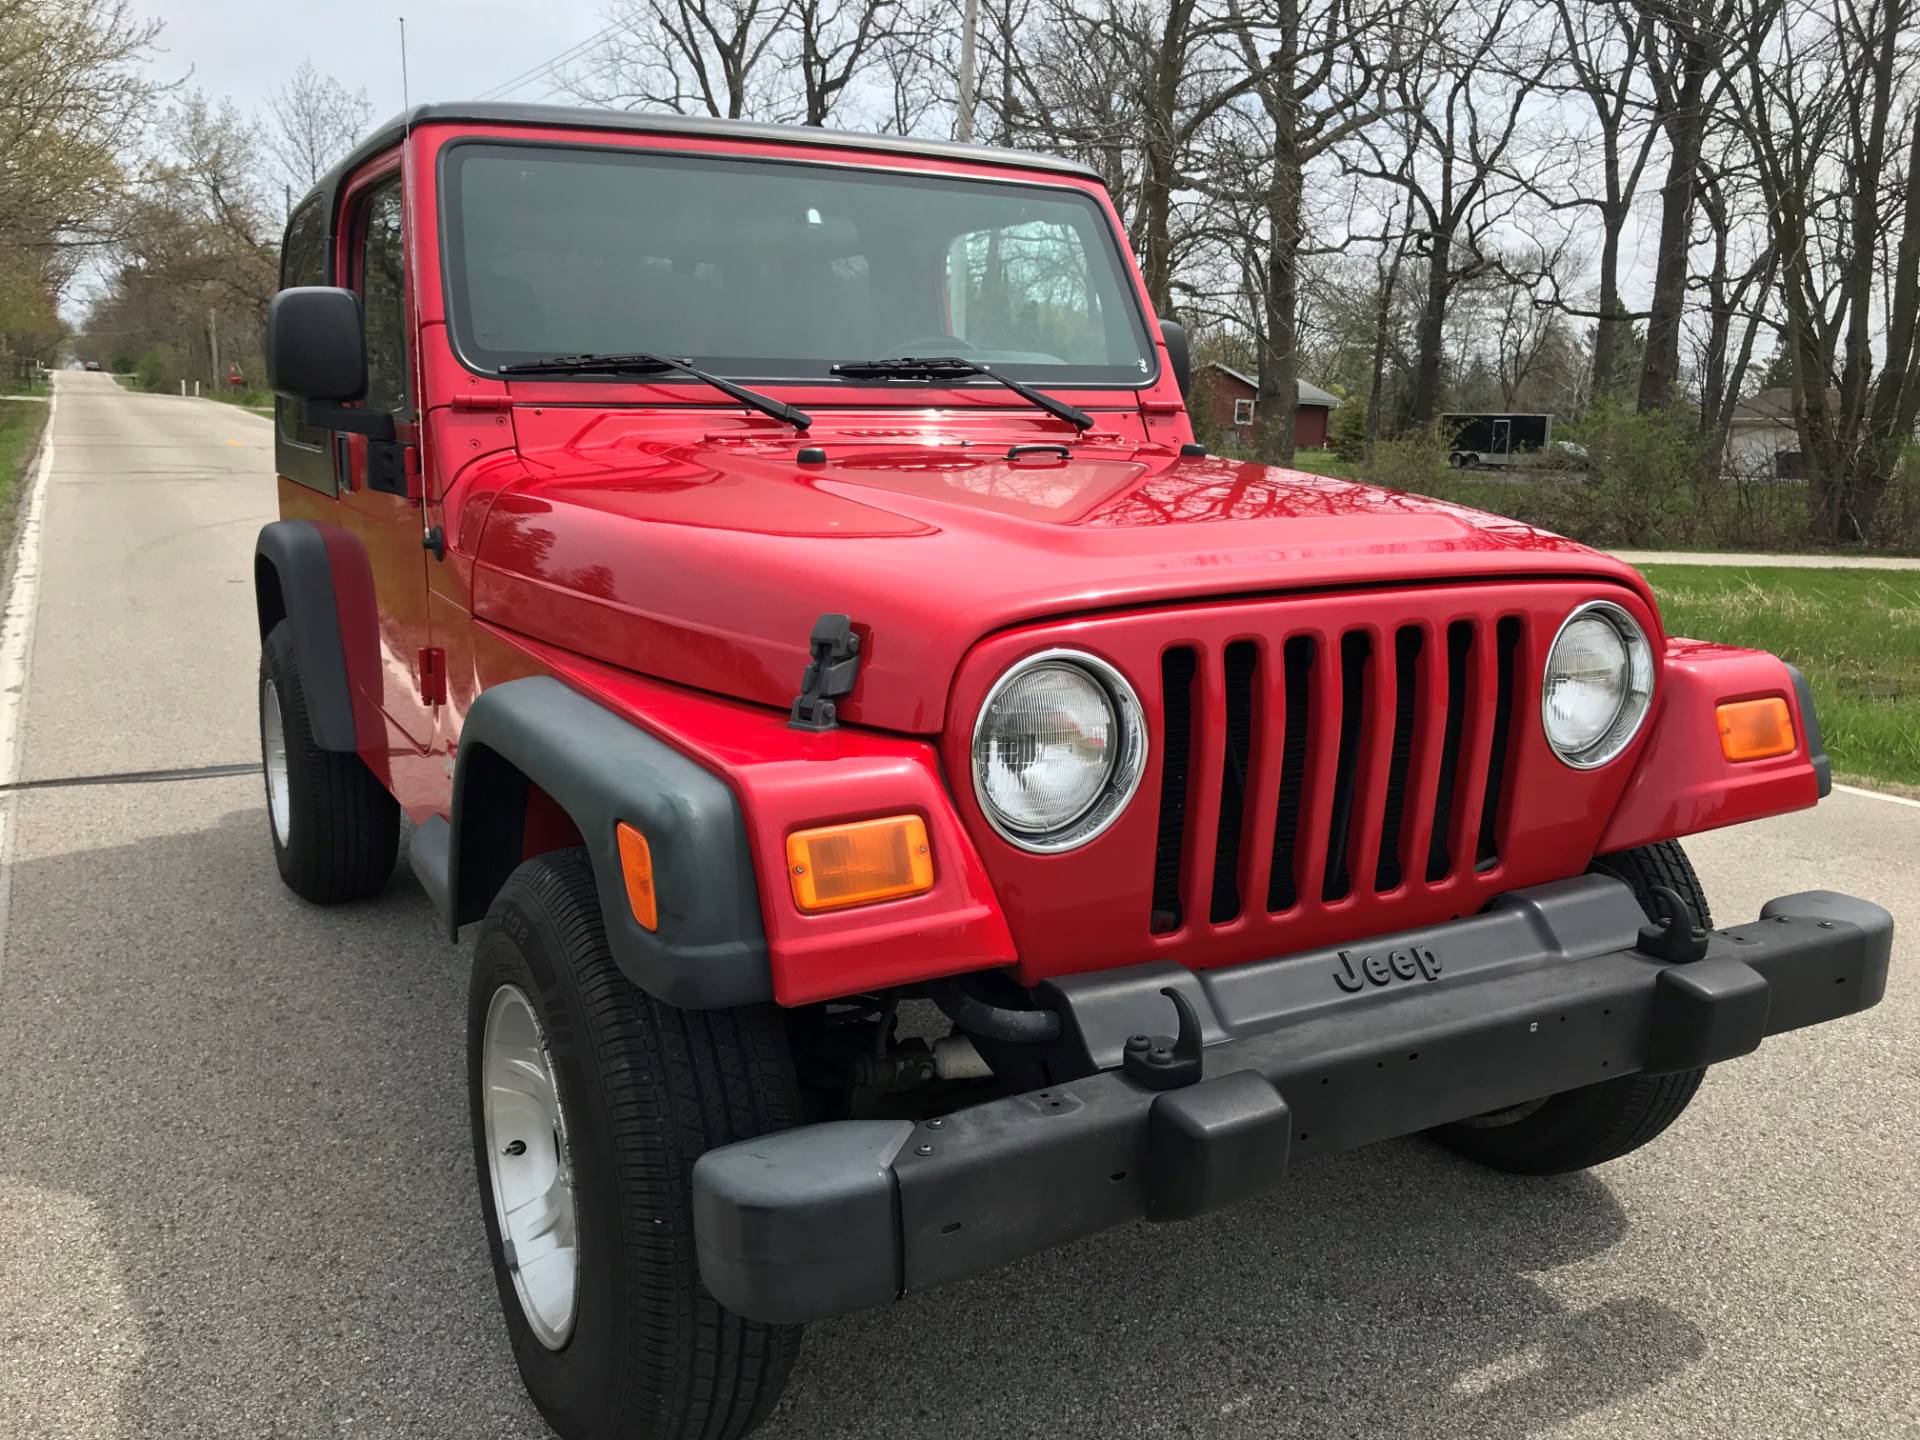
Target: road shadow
[
  {"x": 263, "y": 1105},
  {"x": 1383, "y": 1293}
]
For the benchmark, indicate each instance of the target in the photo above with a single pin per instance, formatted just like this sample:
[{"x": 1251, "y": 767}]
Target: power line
[{"x": 546, "y": 67}]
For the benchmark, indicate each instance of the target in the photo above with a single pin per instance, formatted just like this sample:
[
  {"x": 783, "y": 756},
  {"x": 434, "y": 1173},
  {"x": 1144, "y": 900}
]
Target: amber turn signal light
[
  {"x": 636, "y": 867},
  {"x": 1756, "y": 729},
  {"x": 835, "y": 866}
]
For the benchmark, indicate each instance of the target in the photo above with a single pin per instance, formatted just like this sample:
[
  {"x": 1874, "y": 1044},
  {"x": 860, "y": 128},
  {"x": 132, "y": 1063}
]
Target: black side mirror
[
  {"x": 1175, "y": 334},
  {"x": 317, "y": 353}
]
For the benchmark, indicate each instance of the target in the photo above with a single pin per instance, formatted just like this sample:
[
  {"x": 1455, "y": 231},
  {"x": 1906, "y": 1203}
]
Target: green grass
[
  {"x": 20, "y": 423},
  {"x": 1856, "y": 634},
  {"x": 1325, "y": 462}
]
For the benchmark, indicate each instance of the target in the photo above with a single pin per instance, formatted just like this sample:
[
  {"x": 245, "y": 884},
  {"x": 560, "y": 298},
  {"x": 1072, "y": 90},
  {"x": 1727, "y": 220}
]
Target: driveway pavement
[{"x": 238, "y": 1198}]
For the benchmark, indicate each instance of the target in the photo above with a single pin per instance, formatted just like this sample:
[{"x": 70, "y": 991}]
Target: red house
[{"x": 1226, "y": 397}]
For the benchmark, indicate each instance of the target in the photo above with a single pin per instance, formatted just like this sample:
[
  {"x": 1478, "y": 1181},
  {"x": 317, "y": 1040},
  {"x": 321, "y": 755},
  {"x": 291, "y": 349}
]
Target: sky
[{"x": 245, "y": 50}]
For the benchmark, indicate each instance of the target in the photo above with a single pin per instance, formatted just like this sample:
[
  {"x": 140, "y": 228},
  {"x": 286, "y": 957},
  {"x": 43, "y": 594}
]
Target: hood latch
[{"x": 831, "y": 672}]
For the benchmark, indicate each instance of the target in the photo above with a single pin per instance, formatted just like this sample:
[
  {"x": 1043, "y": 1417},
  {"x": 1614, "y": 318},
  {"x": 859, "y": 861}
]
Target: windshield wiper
[
  {"x": 908, "y": 367},
  {"x": 642, "y": 363}
]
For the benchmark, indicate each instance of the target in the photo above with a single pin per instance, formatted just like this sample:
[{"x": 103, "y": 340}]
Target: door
[
  {"x": 1502, "y": 436},
  {"x": 375, "y": 504}
]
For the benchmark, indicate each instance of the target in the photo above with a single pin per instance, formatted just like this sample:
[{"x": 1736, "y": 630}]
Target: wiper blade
[
  {"x": 907, "y": 367},
  {"x": 640, "y": 362}
]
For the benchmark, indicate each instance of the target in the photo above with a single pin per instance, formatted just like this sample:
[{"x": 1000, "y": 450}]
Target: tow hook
[
  {"x": 1166, "y": 1062},
  {"x": 1673, "y": 936}
]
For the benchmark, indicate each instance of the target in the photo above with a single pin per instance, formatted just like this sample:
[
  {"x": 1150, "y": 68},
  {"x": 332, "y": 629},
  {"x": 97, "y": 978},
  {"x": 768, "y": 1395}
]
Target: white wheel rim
[
  {"x": 273, "y": 755},
  {"x": 528, "y": 1166}
]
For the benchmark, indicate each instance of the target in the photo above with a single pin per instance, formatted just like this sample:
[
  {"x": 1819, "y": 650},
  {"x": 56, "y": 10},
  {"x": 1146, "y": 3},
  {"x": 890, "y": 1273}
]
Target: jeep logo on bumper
[{"x": 1356, "y": 972}]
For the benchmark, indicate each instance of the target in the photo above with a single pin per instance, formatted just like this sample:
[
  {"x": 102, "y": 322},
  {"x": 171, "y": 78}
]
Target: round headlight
[
  {"x": 1057, "y": 750},
  {"x": 1599, "y": 684}
]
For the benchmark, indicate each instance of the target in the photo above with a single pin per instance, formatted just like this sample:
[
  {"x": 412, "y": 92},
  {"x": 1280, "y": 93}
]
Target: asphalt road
[{"x": 238, "y": 1201}]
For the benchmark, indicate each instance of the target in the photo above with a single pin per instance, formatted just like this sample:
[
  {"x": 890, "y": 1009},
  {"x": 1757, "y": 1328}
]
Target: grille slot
[
  {"x": 1459, "y": 652},
  {"x": 1507, "y": 644},
  {"x": 1407, "y": 642},
  {"x": 1242, "y": 665},
  {"x": 1355, "y": 650},
  {"x": 1297, "y": 660},
  {"x": 1177, "y": 667}
]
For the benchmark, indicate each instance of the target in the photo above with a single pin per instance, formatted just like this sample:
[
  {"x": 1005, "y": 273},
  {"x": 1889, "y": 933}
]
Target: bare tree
[
  {"x": 839, "y": 41},
  {"x": 1318, "y": 69},
  {"x": 692, "y": 57},
  {"x": 1602, "y": 66},
  {"x": 1463, "y": 104},
  {"x": 1824, "y": 98},
  {"x": 314, "y": 121},
  {"x": 1683, "y": 43}
]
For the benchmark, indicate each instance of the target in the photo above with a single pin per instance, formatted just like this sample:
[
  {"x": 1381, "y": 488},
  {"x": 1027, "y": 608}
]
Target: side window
[
  {"x": 303, "y": 261},
  {"x": 383, "y": 294},
  {"x": 1243, "y": 412}
]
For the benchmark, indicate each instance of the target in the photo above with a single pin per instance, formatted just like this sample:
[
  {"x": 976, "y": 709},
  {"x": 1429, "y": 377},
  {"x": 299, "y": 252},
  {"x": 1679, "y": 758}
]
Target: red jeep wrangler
[{"x": 772, "y": 571}]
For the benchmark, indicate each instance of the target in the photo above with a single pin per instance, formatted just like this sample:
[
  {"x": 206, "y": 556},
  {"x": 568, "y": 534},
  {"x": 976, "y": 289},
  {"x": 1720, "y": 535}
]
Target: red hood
[{"x": 705, "y": 558}]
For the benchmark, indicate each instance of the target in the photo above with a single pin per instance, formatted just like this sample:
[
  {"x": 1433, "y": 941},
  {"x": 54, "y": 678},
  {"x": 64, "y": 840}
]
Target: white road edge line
[
  {"x": 1877, "y": 795},
  {"x": 16, "y": 651},
  {"x": 16, "y": 628}
]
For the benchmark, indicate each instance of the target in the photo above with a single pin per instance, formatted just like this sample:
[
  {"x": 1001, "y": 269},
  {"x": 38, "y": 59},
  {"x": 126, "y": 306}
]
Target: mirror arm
[{"x": 374, "y": 424}]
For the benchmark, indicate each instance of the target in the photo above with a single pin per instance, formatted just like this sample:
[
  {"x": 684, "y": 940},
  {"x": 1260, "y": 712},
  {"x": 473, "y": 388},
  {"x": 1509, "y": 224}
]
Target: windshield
[{"x": 774, "y": 270}]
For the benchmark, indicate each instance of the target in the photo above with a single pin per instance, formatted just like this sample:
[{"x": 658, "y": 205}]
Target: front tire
[
  {"x": 334, "y": 827},
  {"x": 610, "y": 1099},
  {"x": 1587, "y": 1127}
]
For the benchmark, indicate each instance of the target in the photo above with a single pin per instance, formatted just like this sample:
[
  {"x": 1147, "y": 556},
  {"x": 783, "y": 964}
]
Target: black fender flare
[
  {"x": 710, "y": 950},
  {"x": 293, "y": 580}
]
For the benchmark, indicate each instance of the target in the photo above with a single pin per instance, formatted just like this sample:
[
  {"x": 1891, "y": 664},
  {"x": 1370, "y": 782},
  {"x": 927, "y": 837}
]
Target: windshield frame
[{"x": 452, "y": 264}]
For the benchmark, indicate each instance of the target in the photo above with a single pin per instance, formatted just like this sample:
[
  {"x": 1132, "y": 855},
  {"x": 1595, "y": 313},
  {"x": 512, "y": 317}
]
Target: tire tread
[
  {"x": 345, "y": 828},
  {"x": 676, "y": 1083}
]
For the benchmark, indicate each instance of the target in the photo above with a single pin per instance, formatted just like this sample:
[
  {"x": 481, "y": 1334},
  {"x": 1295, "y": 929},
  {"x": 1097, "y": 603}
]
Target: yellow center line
[{"x": 237, "y": 444}]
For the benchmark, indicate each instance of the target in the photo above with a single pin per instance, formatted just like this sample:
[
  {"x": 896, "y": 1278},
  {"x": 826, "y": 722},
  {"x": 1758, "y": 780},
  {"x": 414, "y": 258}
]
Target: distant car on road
[{"x": 91, "y": 365}]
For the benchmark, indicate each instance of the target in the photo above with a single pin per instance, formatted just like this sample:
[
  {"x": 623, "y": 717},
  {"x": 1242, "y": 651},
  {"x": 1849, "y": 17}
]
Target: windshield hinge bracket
[{"x": 834, "y": 666}]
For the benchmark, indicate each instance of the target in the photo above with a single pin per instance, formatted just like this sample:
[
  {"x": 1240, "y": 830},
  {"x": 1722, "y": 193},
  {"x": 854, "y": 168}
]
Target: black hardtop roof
[{"x": 581, "y": 117}]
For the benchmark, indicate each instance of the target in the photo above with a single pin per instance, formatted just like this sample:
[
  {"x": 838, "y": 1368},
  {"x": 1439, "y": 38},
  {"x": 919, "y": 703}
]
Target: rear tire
[
  {"x": 334, "y": 827},
  {"x": 1597, "y": 1123},
  {"x": 643, "y": 1089}
]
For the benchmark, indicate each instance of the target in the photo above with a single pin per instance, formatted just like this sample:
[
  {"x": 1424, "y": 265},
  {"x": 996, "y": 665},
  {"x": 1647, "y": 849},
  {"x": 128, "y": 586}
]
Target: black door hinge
[{"x": 830, "y": 673}]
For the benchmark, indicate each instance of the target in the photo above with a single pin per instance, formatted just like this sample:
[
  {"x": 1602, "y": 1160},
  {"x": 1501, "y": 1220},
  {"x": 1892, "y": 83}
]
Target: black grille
[
  {"x": 1355, "y": 651},
  {"x": 1241, "y": 667},
  {"x": 1406, "y": 660},
  {"x": 1507, "y": 642},
  {"x": 1459, "y": 652},
  {"x": 1345, "y": 706},
  {"x": 1176, "y": 683},
  {"x": 1282, "y": 889}
]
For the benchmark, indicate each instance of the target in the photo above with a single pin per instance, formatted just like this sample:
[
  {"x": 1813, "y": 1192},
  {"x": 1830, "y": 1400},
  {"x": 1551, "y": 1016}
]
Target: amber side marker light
[
  {"x": 1756, "y": 729},
  {"x": 835, "y": 866},
  {"x": 636, "y": 866}
]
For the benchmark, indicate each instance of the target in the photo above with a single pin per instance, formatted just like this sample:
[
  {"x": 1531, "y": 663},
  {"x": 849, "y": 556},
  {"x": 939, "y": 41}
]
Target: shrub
[
  {"x": 1416, "y": 462},
  {"x": 1347, "y": 431},
  {"x": 154, "y": 370}
]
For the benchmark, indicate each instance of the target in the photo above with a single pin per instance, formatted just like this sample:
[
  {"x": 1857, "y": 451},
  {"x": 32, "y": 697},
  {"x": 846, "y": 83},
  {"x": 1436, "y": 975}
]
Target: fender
[
  {"x": 710, "y": 950},
  {"x": 1682, "y": 784},
  {"x": 293, "y": 580}
]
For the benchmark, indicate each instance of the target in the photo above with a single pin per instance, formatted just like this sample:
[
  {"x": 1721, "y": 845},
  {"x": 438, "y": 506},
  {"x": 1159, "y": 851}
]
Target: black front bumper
[{"x": 1542, "y": 993}]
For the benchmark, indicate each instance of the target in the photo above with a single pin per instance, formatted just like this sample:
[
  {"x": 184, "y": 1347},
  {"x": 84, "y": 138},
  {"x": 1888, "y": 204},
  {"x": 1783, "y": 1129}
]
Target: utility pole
[
  {"x": 969, "y": 23},
  {"x": 213, "y": 340}
]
